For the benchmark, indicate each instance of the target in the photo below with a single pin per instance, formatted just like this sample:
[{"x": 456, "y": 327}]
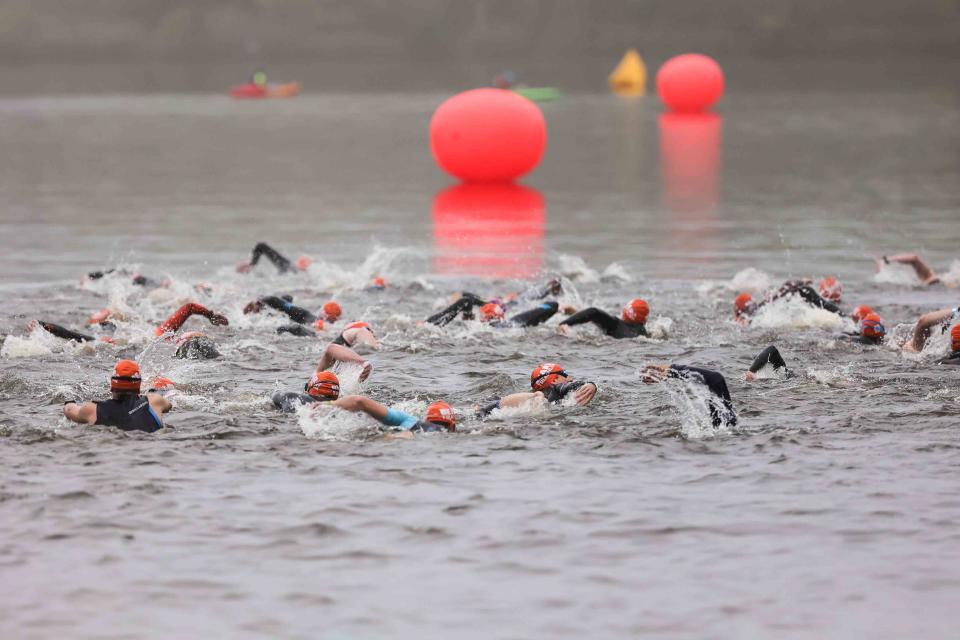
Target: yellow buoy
[{"x": 630, "y": 76}]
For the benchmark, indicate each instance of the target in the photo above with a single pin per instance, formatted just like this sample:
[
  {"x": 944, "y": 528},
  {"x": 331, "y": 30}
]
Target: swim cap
[
  {"x": 323, "y": 384},
  {"x": 441, "y": 413},
  {"x": 872, "y": 327},
  {"x": 359, "y": 325},
  {"x": 830, "y": 289},
  {"x": 743, "y": 304},
  {"x": 491, "y": 311},
  {"x": 955, "y": 337},
  {"x": 318, "y": 324},
  {"x": 861, "y": 312},
  {"x": 332, "y": 310},
  {"x": 303, "y": 263},
  {"x": 545, "y": 376},
  {"x": 100, "y": 316},
  {"x": 126, "y": 377},
  {"x": 379, "y": 283},
  {"x": 636, "y": 311},
  {"x": 161, "y": 383}
]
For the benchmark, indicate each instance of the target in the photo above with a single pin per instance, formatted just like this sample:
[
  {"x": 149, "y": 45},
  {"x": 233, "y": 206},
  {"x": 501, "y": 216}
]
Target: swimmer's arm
[
  {"x": 263, "y": 249},
  {"x": 361, "y": 335},
  {"x": 771, "y": 356},
  {"x": 159, "y": 403},
  {"x": 66, "y": 334},
  {"x": 535, "y": 316},
  {"x": 363, "y": 404},
  {"x": 184, "y": 313},
  {"x": 519, "y": 399},
  {"x": 925, "y": 324},
  {"x": 85, "y": 413},
  {"x": 923, "y": 270},
  {"x": 334, "y": 353},
  {"x": 602, "y": 319},
  {"x": 584, "y": 395}
]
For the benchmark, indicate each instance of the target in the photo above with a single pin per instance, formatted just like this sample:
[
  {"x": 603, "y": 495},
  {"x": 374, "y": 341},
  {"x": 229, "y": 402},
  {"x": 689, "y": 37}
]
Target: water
[{"x": 831, "y": 511}]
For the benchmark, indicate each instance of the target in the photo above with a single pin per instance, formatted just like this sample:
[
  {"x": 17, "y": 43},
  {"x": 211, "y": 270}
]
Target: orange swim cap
[
  {"x": 830, "y": 289},
  {"x": 318, "y": 324},
  {"x": 872, "y": 327},
  {"x": 491, "y": 311},
  {"x": 100, "y": 316},
  {"x": 742, "y": 304},
  {"x": 359, "y": 325},
  {"x": 323, "y": 384},
  {"x": 332, "y": 310},
  {"x": 379, "y": 283},
  {"x": 161, "y": 383},
  {"x": 636, "y": 311},
  {"x": 126, "y": 377},
  {"x": 303, "y": 263},
  {"x": 955, "y": 337},
  {"x": 861, "y": 312},
  {"x": 545, "y": 376},
  {"x": 441, "y": 413}
]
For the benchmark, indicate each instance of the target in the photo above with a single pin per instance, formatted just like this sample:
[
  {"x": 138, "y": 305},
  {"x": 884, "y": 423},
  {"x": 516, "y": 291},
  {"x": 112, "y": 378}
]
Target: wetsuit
[
  {"x": 613, "y": 327},
  {"x": 282, "y": 264},
  {"x": 288, "y": 401},
  {"x": 770, "y": 356},
  {"x": 806, "y": 292},
  {"x": 952, "y": 359},
  {"x": 298, "y": 330},
  {"x": 129, "y": 412},
  {"x": 463, "y": 305},
  {"x": 552, "y": 394},
  {"x": 181, "y": 315},
  {"x": 859, "y": 339},
  {"x": 197, "y": 348},
  {"x": 285, "y": 304},
  {"x": 531, "y": 317},
  {"x": 137, "y": 279},
  {"x": 396, "y": 418},
  {"x": 66, "y": 334},
  {"x": 721, "y": 407}
]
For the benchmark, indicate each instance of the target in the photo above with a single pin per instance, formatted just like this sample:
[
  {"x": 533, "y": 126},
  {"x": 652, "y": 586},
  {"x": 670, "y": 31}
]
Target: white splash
[
  {"x": 896, "y": 273},
  {"x": 750, "y": 280},
  {"x": 794, "y": 313},
  {"x": 691, "y": 402}
]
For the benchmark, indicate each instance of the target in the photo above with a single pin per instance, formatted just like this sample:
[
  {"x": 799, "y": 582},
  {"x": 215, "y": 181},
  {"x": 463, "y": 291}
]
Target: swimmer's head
[
  {"x": 744, "y": 305},
  {"x": 323, "y": 384},
  {"x": 359, "y": 325},
  {"x": 491, "y": 311},
  {"x": 196, "y": 346},
  {"x": 303, "y": 263},
  {"x": 872, "y": 327},
  {"x": 161, "y": 382},
  {"x": 861, "y": 312},
  {"x": 332, "y": 311},
  {"x": 830, "y": 289},
  {"x": 636, "y": 311},
  {"x": 378, "y": 283},
  {"x": 126, "y": 377},
  {"x": 318, "y": 324},
  {"x": 442, "y": 414},
  {"x": 547, "y": 375},
  {"x": 955, "y": 338}
]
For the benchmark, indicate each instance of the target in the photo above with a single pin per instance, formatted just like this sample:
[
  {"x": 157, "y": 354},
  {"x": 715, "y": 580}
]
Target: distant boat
[
  {"x": 539, "y": 94},
  {"x": 630, "y": 76},
  {"x": 252, "y": 90}
]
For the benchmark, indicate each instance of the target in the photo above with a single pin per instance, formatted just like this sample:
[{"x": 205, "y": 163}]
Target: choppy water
[{"x": 831, "y": 511}]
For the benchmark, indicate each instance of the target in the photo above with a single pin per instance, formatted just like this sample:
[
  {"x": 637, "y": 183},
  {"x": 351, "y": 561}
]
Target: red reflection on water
[
  {"x": 488, "y": 230},
  {"x": 690, "y": 177}
]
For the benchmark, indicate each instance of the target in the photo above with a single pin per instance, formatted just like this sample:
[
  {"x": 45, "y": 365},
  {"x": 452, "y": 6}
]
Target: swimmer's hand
[
  {"x": 563, "y": 329},
  {"x": 653, "y": 373},
  {"x": 568, "y": 309},
  {"x": 365, "y": 372},
  {"x": 219, "y": 320},
  {"x": 749, "y": 376},
  {"x": 253, "y": 307},
  {"x": 244, "y": 267},
  {"x": 585, "y": 394},
  {"x": 32, "y": 326}
]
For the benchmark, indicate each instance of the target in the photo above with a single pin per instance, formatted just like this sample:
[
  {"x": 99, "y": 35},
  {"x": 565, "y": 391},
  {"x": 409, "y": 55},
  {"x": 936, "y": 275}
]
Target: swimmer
[
  {"x": 126, "y": 409},
  {"x": 440, "y": 416},
  {"x": 769, "y": 356},
  {"x": 631, "y": 324},
  {"x": 745, "y": 307},
  {"x": 954, "y": 357},
  {"x": 330, "y": 312},
  {"x": 376, "y": 284},
  {"x": 550, "y": 383},
  {"x": 194, "y": 345},
  {"x": 184, "y": 313},
  {"x": 322, "y": 387},
  {"x": 283, "y": 265},
  {"x": 721, "y": 406},
  {"x": 926, "y": 323},
  {"x": 64, "y": 333},
  {"x": 493, "y": 313},
  {"x": 924, "y": 273},
  {"x": 135, "y": 278},
  {"x": 871, "y": 331},
  {"x": 358, "y": 334}
]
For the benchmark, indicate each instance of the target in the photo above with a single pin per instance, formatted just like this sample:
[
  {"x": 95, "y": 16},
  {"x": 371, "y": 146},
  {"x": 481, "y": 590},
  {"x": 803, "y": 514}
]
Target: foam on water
[{"x": 793, "y": 313}]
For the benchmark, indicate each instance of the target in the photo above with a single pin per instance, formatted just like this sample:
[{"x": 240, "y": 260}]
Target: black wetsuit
[
  {"x": 282, "y": 264},
  {"x": 809, "y": 296},
  {"x": 531, "y": 317},
  {"x": 128, "y": 412},
  {"x": 952, "y": 359},
  {"x": 770, "y": 356},
  {"x": 66, "y": 334},
  {"x": 197, "y": 348},
  {"x": 138, "y": 279},
  {"x": 859, "y": 339},
  {"x": 288, "y": 401},
  {"x": 297, "y": 330},
  {"x": 613, "y": 327},
  {"x": 552, "y": 394},
  {"x": 721, "y": 408},
  {"x": 285, "y": 304},
  {"x": 463, "y": 305}
]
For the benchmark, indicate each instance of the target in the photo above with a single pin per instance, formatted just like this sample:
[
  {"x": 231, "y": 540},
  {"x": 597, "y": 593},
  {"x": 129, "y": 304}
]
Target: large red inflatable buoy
[
  {"x": 487, "y": 135},
  {"x": 690, "y": 83}
]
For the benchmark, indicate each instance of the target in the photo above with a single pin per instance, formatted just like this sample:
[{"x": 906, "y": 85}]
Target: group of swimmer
[{"x": 130, "y": 408}]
